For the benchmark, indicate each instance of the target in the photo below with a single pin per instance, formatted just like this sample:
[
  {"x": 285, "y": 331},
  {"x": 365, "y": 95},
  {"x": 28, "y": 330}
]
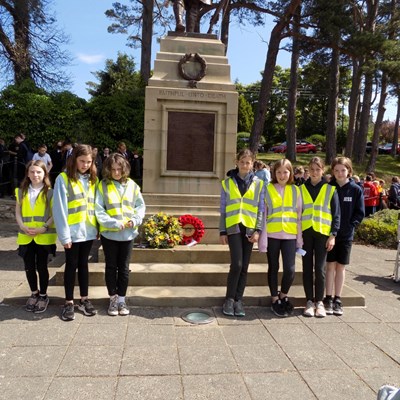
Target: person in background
[
  {"x": 42, "y": 155},
  {"x": 394, "y": 194},
  {"x": 67, "y": 149},
  {"x": 371, "y": 196},
  {"x": 56, "y": 159},
  {"x": 241, "y": 220},
  {"x": 320, "y": 224},
  {"x": 351, "y": 201},
  {"x": 283, "y": 234},
  {"x": 136, "y": 162},
  {"x": 73, "y": 210},
  {"x": 383, "y": 195},
  {"x": 122, "y": 149},
  {"x": 299, "y": 175},
  {"x": 37, "y": 235},
  {"x": 262, "y": 171},
  {"x": 328, "y": 177},
  {"x": 306, "y": 174},
  {"x": 119, "y": 210},
  {"x": 98, "y": 162},
  {"x": 106, "y": 154}
]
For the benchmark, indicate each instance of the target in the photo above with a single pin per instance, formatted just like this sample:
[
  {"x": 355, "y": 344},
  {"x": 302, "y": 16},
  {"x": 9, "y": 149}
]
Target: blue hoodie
[{"x": 351, "y": 200}]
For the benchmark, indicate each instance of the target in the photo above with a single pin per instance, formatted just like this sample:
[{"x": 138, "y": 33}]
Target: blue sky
[{"x": 90, "y": 45}]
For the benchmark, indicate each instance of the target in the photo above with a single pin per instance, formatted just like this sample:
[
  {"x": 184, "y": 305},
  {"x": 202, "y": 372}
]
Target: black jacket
[{"x": 351, "y": 200}]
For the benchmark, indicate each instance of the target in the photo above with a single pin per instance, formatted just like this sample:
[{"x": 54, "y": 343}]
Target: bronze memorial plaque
[{"x": 190, "y": 143}]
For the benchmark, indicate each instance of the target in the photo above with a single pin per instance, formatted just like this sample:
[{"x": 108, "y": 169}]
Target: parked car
[
  {"x": 387, "y": 148},
  {"x": 302, "y": 146}
]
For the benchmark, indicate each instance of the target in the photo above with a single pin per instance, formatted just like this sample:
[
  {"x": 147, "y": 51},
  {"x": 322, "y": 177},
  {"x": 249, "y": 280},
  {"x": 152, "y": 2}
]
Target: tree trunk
[
  {"x": 20, "y": 52},
  {"x": 292, "y": 100},
  {"x": 378, "y": 123},
  {"x": 225, "y": 27},
  {"x": 147, "y": 35},
  {"x": 268, "y": 74},
  {"x": 361, "y": 139},
  {"x": 353, "y": 107},
  {"x": 332, "y": 107}
]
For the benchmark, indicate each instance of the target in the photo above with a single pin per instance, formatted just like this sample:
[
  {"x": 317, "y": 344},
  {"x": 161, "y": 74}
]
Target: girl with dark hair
[{"x": 74, "y": 198}]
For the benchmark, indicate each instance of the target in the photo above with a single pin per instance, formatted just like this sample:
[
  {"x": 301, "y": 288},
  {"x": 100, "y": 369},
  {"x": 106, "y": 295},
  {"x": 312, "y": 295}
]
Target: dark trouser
[
  {"x": 315, "y": 259},
  {"x": 288, "y": 250},
  {"x": 117, "y": 255},
  {"x": 77, "y": 258},
  {"x": 240, "y": 250},
  {"x": 369, "y": 210},
  {"x": 35, "y": 259}
]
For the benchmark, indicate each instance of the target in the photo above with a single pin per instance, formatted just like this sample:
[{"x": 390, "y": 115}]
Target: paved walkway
[{"x": 153, "y": 354}]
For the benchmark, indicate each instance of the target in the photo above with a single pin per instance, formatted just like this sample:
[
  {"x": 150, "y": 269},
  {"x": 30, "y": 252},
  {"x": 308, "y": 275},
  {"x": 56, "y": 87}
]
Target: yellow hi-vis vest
[
  {"x": 241, "y": 209},
  {"x": 36, "y": 218},
  {"x": 121, "y": 208},
  {"x": 80, "y": 204},
  {"x": 317, "y": 214},
  {"x": 282, "y": 213}
]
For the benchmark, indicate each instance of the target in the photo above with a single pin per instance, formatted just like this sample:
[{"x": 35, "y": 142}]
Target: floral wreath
[
  {"x": 192, "y": 227},
  {"x": 194, "y": 58},
  {"x": 162, "y": 231}
]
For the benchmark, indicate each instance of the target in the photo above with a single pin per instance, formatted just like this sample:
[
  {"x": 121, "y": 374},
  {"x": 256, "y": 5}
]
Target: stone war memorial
[{"x": 190, "y": 128}]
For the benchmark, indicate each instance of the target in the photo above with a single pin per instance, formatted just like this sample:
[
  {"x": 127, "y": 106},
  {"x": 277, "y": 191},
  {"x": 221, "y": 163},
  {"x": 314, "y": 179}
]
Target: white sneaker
[
  {"x": 113, "y": 307},
  {"x": 320, "y": 310},
  {"x": 123, "y": 309},
  {"x": 309, "y": 309}
]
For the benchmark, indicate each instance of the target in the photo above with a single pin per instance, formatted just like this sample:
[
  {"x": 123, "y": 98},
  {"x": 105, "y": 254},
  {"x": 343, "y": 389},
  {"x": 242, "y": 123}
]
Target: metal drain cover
[{"x": 197, "y": 317}]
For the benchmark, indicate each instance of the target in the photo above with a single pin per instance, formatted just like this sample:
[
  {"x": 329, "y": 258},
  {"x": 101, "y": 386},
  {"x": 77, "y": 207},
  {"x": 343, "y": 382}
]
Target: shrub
[{"x": 379, "y": 230}]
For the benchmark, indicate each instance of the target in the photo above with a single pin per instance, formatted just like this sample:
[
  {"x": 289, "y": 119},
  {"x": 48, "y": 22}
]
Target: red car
[{"x": 302, "y": 146}]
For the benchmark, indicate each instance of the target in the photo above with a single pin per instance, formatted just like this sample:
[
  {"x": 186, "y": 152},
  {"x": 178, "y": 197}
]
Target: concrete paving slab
[
  {"x": 197, "y": 336},
  {"x": 282, "y": 385},
  {"x": 246, "y": 334},
  {"x": 104, "y": 361},
  {"x": 151, "y": 315},
  {"x": 150, "y": 388},
  {"x": 67, "y": 388},
  {"x": 215, "y": 387},
  {"x": 195, "y": 360},
  {"x": 338, "y": 385},
  {"x": 377, "y": 377},
  {"x": 150, "y": 335},
  {"x": 23, "y": 361},
  {"x": 28, "y": 388},
  {"x": 100, "y": 335},
  {"x": 261, "y": 358},
  {"x": 150, "y": 360}
]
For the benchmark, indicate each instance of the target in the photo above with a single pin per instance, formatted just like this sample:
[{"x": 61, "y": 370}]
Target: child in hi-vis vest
[
  {"x": 242, "y": 208},
  {"x": 36, "y": 236}
]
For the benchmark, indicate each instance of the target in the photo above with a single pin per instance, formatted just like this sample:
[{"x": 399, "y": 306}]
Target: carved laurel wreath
[{"x": 194, "y": 58}]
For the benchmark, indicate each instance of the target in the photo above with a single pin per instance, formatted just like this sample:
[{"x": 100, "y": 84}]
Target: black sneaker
[
  {"x": 337, "y": 307},
  {"x": 31, "y": 303},
  {"x": 288, "y": 305},
  {"x": 68, "y": 312},
  {"x": 239, "y": 310},
  {"x": 41, "y": 305},
  {"x": 328, "y": 303},
  {"x": 279, "y": 309},
  {"x": 228, "y": 308},
  {"x": 87, "y": 308}
]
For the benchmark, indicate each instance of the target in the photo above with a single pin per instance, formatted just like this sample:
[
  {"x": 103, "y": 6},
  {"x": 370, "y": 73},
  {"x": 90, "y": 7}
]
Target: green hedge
[{"x": 379, "y": 230}]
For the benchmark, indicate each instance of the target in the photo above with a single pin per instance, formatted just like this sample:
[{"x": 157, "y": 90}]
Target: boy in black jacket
[{"x": 351, "y": 200}]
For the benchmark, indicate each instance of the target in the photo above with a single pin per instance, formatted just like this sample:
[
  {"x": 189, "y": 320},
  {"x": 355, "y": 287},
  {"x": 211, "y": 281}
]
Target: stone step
[
  {"x": 163, "y": 274},
  {"x": 181, "y": 296},
  {"x": 199, "y": 254}
]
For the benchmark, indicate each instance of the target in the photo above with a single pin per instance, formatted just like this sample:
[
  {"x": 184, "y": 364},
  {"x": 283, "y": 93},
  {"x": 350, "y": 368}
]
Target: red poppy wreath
[{"x": 192, "y": 227}]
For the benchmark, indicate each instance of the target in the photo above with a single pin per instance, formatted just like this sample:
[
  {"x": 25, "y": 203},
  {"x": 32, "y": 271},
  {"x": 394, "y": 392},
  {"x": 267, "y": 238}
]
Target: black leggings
[
  {"x": 240, "y": 251},
  {"x": 35, "y": 259},
  {"x": 288, "y": 250},
  {"x": 117, "y": 255},
  {"x": 76, "y": 258},
  {"x": 314, "y": 259}
]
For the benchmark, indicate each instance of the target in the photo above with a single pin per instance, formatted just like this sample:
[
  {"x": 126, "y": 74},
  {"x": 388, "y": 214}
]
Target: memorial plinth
[{"x": 190, "y": 117}]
